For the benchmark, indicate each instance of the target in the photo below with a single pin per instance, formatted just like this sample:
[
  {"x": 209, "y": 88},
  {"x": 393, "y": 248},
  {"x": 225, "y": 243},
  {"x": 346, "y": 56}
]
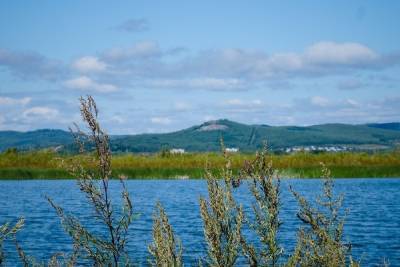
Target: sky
[{"x": 161, "y": 66}]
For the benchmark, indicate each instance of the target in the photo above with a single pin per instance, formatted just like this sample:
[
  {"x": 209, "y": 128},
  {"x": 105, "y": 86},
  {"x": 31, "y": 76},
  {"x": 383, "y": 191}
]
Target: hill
[
  {"x": 38, "y": 139},
  {"x": 205, "y": 137}
]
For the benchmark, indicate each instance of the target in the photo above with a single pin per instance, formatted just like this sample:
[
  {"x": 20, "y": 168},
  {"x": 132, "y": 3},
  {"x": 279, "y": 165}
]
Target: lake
[{"x": 372, "y": 225}]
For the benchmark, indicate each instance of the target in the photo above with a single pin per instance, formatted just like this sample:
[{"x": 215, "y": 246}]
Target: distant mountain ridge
[
  {"x": 206, "y": 137},
  {"x": 37, "y": 139},
  {"x": 388, "y": 126}
]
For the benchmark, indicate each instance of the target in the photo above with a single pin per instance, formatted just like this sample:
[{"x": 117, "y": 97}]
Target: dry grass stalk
[
  {"x": 166, "y": 249},
  {"x": 222, "y": 218},
  {"x": 94, "y": 183},
  {"x": 320, "y": 241},
  {"x": 8, "y": 232},
  {"x": 264, "y": 186}
]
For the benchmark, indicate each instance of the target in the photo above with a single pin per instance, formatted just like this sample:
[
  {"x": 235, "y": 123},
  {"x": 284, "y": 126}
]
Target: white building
[
  {"x": 177, "y": 151},
  {"x": 231, "y": 150}
]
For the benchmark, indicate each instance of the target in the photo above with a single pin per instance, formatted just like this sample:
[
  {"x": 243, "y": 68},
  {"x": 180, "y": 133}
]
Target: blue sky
[{"x": 159, "y": 66}]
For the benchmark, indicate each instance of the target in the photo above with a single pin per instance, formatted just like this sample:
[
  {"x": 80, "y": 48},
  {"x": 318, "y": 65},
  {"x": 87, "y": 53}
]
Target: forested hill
[{"x": 206, "y": 137}]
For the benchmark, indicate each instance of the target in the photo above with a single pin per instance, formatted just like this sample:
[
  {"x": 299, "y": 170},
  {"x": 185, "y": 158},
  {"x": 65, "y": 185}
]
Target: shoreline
[
  {"x": 50, "y": 165},
  {"x": 339, "y": 172}
]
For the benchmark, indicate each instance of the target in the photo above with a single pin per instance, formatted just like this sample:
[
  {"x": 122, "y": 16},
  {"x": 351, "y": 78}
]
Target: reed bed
[{"x": 46, "y": 164}]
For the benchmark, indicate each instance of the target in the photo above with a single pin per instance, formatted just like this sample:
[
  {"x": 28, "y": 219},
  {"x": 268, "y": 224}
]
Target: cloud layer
[
  {"x": 146, "y": 64},
  {"x": 89, "y": 64},
  {"x": 31, "y": 65},
  {"x": 165, "y": 89},
  {"x": 87, "y": 84}
]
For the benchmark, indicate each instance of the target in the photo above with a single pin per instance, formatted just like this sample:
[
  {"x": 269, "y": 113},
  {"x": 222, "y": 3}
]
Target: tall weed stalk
[
  {"x": 264, "y": 185},
  {"x": 222, "y": 218},
  {"x": 319, "y": 240},
  {"x": 8, "y": 232},
  {"x": 107, "y": 249},
  {"x": 166, "y": 249}
]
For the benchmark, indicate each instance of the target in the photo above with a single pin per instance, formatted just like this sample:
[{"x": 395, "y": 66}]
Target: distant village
[
  {"x": 286, "y": 150},
  {"x": 182, "y": 151},
  {"x": 317, "y": 149}
]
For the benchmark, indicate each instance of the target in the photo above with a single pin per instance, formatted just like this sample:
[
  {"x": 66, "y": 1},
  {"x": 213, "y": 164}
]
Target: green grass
[
  {"x": 32, "y": 173},
  {"x": 46, "y": 165},
  {"x": 344, "y": 172}
]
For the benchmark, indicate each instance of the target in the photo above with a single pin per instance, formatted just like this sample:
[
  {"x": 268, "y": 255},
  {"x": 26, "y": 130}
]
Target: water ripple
[{"x": 372, "y": 226}]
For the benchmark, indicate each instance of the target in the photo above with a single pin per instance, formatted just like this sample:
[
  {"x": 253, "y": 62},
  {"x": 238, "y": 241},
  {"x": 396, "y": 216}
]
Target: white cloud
[
  {"x": 14, "y": 101},
  {"x": 31, "y": 65},
  {"x": 257, "y": 102},
  {"x": 199, "y": 83},
  {"x": 140, "y": 50},
  {"x": 145, "y": 64},
  {"x": 242, "y": 103},
  {"x": 352, "y": 103},
  {"x": 85, "y": 83},
  {"x": 319, "y": 101},
  {"x": 350, "y": 84},
  {"x": 283, "y": 62},
  {"x": 89, "y": 64},
  {"x": 234, "y": 102},
  {"x": 319, "y": 59},
  {"x": 339, "y": 53},
  {"x": 217, "y": 69},
  {"x": 117, "y": 119},
  {"x": 161, "y": 120},
  {"x": 40, "y": 113},
  {"x": 214, "y": 83},
  {"x": 182, "y": 106}
]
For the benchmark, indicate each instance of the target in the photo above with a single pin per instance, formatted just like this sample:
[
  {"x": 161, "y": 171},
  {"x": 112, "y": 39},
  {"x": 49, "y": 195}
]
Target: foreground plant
[
  {"x": 8, "y": 232},
  {"x": 107, "y": 249},
  {"x": 166, "y": 248},
  {"x": 264, "y": 186},
  {"x": 319, "y": 242},
  {"x": 222, "y": 218}
]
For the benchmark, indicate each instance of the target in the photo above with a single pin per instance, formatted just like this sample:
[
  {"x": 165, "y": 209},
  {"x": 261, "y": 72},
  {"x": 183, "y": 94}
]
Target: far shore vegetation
[{"x": 46, "y": 164}]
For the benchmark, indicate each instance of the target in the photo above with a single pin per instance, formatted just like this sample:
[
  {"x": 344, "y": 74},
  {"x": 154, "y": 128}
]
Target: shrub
[
  {"x": 222, "y": 218},
  {"x": 164, "y": 249},
  {"x": 320, "y": 241},
  {"x": 8, "y": 232},
  {"x": 264, "y": 186},
  {"x": 94, "y": 183}
]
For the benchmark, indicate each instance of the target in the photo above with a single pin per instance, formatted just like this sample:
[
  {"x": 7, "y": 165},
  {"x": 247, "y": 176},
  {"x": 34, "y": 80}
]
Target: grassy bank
[{"x": 47, "y": 165}]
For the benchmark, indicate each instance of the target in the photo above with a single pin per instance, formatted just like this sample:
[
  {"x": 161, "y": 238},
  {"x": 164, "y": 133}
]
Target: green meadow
[{"x": 48, "y": 165}]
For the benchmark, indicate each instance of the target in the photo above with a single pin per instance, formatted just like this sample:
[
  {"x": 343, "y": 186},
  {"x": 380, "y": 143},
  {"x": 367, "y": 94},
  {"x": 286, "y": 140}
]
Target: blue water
[{"x": 372, "y": 225}]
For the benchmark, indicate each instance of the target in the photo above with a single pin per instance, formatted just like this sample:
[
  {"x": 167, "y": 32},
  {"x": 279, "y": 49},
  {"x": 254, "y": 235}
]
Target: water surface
[{"x": 372, "y": 225}]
